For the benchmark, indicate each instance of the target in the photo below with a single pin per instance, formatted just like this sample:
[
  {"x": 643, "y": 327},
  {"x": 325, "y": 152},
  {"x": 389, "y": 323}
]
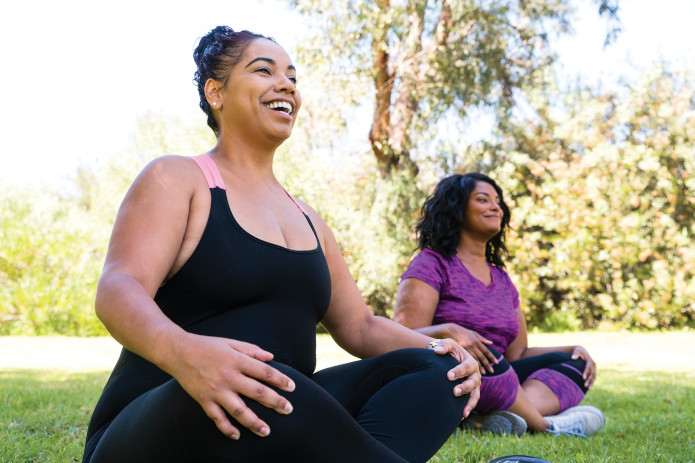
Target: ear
[{"x": 212, "y": 94}]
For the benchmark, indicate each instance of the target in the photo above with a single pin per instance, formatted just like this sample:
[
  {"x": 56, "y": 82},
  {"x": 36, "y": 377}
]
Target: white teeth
[{"x": 281, "y": 105}]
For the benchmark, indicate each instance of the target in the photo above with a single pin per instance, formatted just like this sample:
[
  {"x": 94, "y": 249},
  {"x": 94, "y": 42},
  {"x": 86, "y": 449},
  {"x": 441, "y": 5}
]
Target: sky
[{"x": 78, "y": 74}]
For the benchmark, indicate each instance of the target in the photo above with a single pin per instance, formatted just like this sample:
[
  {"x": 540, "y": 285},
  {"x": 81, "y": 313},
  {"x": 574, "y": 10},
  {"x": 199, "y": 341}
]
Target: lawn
[{"x": 646, "y": 388}]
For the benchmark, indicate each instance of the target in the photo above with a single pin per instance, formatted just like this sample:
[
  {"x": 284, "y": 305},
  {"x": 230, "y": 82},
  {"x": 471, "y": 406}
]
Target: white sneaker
[
  {"x": 582, "y": 421},
  {"x": 499, "y": 422}
]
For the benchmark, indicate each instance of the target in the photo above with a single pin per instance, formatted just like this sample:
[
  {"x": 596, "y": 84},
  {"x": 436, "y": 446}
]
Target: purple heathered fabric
[
  {"x": 488, "y": 310},
  {"x": 567, "y": 392},
  {"x": 497, "y": 392},
  {"x": 463, "y": 299}
]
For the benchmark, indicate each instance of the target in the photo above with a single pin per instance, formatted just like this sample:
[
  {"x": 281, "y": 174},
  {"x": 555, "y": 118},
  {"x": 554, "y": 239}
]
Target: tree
[
  {"x": 423, "y": 58},
  {"x": 415, "y": 65}
]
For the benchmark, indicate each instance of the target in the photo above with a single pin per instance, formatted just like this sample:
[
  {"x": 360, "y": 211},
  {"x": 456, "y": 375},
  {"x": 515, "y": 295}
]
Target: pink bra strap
[
  {"x": 296, "y": 202},
  {"x": 210, "y": 170},
  {"x": 214, "y": 179}
]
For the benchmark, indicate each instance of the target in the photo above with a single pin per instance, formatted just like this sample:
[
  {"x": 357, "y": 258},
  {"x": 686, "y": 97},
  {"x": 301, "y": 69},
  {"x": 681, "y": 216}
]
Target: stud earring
[{"x": 214, "y": 103}]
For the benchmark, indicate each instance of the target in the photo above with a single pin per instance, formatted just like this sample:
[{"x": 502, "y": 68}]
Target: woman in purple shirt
[{"x": 457, "y": 288}]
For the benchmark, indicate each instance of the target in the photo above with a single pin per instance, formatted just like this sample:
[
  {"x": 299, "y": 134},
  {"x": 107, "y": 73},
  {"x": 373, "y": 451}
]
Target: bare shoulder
[
  {"x": 172, "y": 179},
  {"x": 159, "y": 220},
  {"x": 320, "y": 225},
  {"x": 171, "y": 171}
]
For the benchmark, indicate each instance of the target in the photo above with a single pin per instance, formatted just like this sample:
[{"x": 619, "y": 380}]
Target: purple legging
[{"x": 556, "y": 370}]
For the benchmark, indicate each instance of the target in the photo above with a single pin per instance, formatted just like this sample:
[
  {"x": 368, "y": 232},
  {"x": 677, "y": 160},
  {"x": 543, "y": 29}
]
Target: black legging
[
  {"x": 559, "y": 361},
  {"x": 396, "y": 407}
]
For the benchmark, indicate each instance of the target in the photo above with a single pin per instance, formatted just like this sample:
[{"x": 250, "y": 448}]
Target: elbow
[
  {"x": 105, "y": 297},
  {"x": 398, "y": 317},
  {"x": 100, "y": 303}
]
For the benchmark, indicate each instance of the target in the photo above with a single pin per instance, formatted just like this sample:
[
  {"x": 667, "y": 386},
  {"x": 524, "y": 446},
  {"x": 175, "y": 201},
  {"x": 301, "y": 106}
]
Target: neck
[
  {"x": 471, "y": 248},
  {"x": 245, "y": 158}
]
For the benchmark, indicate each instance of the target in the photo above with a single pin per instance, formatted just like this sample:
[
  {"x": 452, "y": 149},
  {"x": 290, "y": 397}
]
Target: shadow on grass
[{"x": 650, "y": 416}]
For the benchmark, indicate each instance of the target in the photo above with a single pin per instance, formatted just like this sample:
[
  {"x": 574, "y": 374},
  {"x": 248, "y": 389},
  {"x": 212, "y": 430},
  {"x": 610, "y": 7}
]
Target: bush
[
  {"x": 50, "y": 256},
  {"x": 604, "y": 199}
]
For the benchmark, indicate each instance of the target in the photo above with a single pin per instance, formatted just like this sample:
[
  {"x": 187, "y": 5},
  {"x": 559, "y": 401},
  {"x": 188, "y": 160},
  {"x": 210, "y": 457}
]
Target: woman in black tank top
[{"x": 214, "y": 281}]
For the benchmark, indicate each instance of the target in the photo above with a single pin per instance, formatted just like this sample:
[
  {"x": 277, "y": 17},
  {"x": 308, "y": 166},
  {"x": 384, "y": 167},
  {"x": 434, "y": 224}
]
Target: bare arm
[
  {"x": 358, "y": 331},
  {"x": 519, "y": 349},
  {"x": 148, "y": 235},
  {"x": 415, "y": 307}
]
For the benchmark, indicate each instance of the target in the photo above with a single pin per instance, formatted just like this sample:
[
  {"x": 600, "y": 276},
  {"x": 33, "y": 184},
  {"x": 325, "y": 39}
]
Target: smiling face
[
  {"x": 259, "y": 98},
  {"x": 483, "y": 211}
]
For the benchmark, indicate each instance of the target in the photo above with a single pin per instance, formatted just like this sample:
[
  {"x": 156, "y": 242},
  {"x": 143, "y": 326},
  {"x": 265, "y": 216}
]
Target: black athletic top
[{"x": 237, "y": 286}]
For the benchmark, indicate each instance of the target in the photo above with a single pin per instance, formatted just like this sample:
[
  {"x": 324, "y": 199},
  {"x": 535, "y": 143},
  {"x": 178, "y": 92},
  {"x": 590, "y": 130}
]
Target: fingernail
[
  {"x": 288, "y": 408},
  {"x": 264, "y": 431},
  {"x": 290, "y": 385},
  {"x": 234, "y": 436},
  {"x": 457, "y": 391},
  {"x": 450, "y": 375}
]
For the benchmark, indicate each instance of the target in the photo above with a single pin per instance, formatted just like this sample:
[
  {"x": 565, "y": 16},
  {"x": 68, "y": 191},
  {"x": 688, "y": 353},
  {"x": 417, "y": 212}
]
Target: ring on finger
[{"x": 434, "y": 344}]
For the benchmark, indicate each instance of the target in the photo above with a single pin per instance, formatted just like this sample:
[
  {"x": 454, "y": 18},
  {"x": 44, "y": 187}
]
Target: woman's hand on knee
[
  {"x": 475, "y": 344},
  {"x": 217, "y": 372},
  {"x": 589, "y": 373},
  {"x": 467, "y": 368}
]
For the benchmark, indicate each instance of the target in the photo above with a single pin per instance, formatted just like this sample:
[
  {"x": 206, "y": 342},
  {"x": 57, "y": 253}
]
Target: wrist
[
  {"x": 447, "y": 330},
  {"x": 171, "y": 348}
]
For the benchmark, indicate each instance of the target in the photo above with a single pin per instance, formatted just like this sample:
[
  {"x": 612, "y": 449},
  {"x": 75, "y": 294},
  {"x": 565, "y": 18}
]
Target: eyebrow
[{"x": 270, "y": 61}]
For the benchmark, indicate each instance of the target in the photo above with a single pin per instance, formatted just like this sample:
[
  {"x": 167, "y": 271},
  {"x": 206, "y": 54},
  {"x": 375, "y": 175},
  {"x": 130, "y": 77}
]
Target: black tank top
[{"x": 237, "y": 286}]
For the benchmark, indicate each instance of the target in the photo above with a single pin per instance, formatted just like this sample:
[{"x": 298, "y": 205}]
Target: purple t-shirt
[{"x": 463, "y": 299}]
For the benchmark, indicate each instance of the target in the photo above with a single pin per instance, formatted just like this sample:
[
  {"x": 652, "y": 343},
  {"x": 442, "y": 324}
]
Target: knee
[
  {"x": 500, "y": 368},
  {"x": 498, "y": 392},
  {"x": 429, "y": 360}
]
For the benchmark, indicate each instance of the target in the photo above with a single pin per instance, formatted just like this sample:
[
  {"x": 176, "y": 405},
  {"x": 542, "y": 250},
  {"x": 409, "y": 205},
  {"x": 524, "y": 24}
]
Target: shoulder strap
[
  {"x": 209, "y": 168},
  {"x": 295, "y": 202}
]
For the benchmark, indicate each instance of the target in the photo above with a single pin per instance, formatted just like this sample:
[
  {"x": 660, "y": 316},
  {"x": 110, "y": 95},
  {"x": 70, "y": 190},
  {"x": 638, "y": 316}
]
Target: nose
[{"x": 284, "y": 84}]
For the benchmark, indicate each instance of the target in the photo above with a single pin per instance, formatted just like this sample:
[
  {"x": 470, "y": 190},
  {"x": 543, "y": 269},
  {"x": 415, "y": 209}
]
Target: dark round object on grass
[{"x": 518, "y": 459}]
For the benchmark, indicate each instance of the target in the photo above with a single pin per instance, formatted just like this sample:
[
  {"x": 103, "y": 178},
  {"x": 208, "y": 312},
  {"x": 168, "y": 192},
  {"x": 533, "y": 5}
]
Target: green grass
[
  {"x": 646, "y": 388},
  {"x": 44, "y": 414},
  {"x": 650, "y": 417}
]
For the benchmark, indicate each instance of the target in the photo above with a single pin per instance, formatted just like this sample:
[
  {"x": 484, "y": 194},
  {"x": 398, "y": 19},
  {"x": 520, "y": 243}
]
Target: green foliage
[
  {"x": 379, "y": 238},
  {"x": 604, "y": 199},
  {"x": 601, "y": 188},
  {"x": 50, "y": 256},
  {"x": 53, "y": 243},
  {"x": 464, "y": 52},
  {"x": 415, "y": 65}
]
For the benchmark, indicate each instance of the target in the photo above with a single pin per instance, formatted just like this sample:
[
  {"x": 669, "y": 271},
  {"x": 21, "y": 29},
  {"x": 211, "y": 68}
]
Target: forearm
[
  {"x": 435, "y": 331},
  {"x": 379, "y": 335},
  {"x": 134, "y": 320}
]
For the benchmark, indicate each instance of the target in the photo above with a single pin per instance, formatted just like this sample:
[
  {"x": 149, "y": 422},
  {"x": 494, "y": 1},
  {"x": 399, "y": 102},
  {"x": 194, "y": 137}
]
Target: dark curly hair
[
  {"x": 443, "y": 212},
  {"x": 217, "y": 52}
]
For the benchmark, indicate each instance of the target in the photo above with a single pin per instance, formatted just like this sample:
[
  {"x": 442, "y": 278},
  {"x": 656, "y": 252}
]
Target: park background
[{"x": 582, "y": 111}]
